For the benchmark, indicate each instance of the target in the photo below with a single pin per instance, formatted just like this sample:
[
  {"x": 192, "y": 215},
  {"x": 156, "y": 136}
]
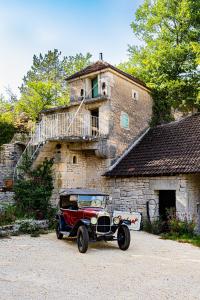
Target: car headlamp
[
  {"x": 93, "y": 221},
  {"x": 116, "y": 220}
]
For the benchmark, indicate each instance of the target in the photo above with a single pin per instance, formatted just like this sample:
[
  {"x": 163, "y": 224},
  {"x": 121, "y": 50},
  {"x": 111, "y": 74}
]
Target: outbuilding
[{"x": 160, "y": 171}]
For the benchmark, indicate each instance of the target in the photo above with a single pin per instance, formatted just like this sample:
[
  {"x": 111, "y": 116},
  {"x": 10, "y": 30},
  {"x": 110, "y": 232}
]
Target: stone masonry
[
  {"x": 133, "y": 193},
  {"x": 94, "y": 157}
]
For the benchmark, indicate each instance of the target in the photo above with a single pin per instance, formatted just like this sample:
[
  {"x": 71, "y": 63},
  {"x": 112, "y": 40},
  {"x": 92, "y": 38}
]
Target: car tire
[
  {"x": 82, "y": 239},
  {"x": 123, "y": 237},
  {"x": 58, "y": 233}
]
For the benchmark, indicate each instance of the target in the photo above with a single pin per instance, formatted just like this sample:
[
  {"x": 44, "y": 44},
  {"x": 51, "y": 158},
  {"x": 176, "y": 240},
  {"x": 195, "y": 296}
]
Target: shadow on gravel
[{"x": 92, "y": 245}]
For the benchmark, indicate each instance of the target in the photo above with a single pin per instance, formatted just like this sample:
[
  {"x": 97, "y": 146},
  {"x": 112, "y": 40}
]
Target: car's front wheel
[
  {"x": 123, "y": 237},
  {"x": 82, "y": 239},
  {"x": 58, "y": 233}
]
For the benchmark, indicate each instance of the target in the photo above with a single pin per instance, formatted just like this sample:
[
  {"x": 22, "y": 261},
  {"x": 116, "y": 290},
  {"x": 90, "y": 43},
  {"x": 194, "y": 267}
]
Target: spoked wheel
[
  {"x": 123, "y": 237},
  {"x": 82, "y": 239},
  {"x": 58, "y": 233}
]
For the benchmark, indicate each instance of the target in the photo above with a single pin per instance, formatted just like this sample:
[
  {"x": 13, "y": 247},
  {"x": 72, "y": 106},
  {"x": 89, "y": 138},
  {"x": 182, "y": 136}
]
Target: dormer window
[{"x": 135, "y": 95}]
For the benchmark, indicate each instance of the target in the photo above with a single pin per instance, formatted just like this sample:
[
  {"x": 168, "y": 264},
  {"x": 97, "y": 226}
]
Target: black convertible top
[{"x": 80, "y": 191}]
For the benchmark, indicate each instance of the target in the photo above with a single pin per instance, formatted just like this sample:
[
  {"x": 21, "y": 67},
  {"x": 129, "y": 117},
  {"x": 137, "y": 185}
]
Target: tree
[
  {"x": 169, "y": 57},
  {"x": 7, "y": 128},
  {"x": 44, "y": 85}
]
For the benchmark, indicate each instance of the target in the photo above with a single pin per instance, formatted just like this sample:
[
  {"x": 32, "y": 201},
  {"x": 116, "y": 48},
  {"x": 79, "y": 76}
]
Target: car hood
[{"x": 94, "y": 212}]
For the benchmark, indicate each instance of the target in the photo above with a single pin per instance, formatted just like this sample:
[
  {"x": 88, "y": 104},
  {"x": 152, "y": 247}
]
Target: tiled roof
[
  {"x": 101, "y": 65},
  {"x": 168, "y": 149}
]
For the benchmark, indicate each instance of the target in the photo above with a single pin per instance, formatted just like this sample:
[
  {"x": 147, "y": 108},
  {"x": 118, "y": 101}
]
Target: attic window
[
  {"x": 74, "y": 160},
  {"x": 124, "y": 120},
  {"x": 135, "y": 95}
]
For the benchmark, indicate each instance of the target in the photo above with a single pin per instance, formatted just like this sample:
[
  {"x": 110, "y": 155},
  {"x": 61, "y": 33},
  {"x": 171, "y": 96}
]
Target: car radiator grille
[{"x": 103, "y": 224}]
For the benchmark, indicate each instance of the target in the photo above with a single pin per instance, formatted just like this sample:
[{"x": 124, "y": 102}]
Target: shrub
[
  {"x": 181, "y": 227},
  {"x": 32, "y": 193},
  {"x": 7, "y": 131},
  {"x": 154, "y": 226},
  {"x": 8, "y": 215}
]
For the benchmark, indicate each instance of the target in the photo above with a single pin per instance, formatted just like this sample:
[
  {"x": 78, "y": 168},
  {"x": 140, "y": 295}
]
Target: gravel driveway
[{"x": 46, "y": 268}]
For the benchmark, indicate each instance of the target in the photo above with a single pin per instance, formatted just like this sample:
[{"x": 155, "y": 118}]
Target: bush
[
  {"x": 32, "y": 193},
  {"x": 7, "y": 131},
  {"x": 154, "y": 226},
  {"x": 181, "y": 227},
  {"x": 8, "y": 215}
]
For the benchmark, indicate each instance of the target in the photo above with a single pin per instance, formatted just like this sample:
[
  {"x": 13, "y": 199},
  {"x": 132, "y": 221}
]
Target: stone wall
[
  {"x": 120, "y": 100},
  {"x": 139, "y": 111},
  {"x": 9, "y": 155},
  {"x": 133, "y": 193},
  {"x": 6, "y": 198}
]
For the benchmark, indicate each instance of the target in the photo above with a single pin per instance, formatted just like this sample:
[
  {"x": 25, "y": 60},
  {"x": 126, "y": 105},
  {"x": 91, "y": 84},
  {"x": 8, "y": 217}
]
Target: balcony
[
  {"x": 67, "y": 126},
  {"x": 89, "y": 98}
]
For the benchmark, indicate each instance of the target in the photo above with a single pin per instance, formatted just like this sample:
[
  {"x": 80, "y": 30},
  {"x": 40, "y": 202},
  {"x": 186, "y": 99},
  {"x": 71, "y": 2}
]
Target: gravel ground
[{"x": 47, "y": 268}]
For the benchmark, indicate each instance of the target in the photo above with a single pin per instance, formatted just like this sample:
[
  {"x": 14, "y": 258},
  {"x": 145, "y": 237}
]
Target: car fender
[
  {"x": 81, "y": 222},
  {"x": 125, "y": 222}
]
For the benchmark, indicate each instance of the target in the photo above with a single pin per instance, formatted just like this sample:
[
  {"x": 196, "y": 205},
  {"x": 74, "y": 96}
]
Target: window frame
[{"x": 122, "y": 116}]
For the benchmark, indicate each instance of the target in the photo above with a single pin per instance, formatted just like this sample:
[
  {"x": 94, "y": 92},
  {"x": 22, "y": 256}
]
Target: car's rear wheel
[
  {"x": 123, "y": 237},
  {"x": 58, "y": 233},
  {"x": 82, "y": 239}
]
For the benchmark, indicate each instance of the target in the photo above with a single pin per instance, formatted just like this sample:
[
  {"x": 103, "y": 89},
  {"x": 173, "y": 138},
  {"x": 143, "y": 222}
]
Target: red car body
[{"x": 76, "y": 218}]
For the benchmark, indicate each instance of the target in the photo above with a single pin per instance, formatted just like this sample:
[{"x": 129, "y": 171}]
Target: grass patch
[{"x": 194, "y": 240}]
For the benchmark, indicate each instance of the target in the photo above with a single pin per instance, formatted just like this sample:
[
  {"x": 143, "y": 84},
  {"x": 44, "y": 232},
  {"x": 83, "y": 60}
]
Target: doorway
[
  {"x": 95, "y": 122},
  {"x": 167, "y": 202}
]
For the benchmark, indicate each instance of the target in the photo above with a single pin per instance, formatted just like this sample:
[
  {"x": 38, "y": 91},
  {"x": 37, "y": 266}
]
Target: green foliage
[
  {"x": 194, "y": 240},
  {"x": 180, "y": 227},
  {"x": 8, "y": 215},
  {"x": 7, "y": 131},
  {"x": 32, "y": 193},
  {"x": 169, "y": 57},
  {"x": 154, "y": 227},
  {"x": 7, "y": 128},
  {"x": 44, "y": 86}
]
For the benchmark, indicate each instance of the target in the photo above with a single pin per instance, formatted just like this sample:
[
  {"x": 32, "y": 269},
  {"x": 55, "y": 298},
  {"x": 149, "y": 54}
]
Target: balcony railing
[
  {"x": 76, "y": 98},
  {"x": 66, "y": 125}
]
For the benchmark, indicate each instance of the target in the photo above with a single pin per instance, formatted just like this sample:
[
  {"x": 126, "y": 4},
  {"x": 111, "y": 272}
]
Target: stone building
[
  {"x": 108, "y": 109},
  {"x": 160, "y": 171},
  {"x": 9, "y": 155}
]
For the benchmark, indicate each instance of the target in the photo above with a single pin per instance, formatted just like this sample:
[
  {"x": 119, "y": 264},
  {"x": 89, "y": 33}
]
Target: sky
[{"x": 31, "y": 27}]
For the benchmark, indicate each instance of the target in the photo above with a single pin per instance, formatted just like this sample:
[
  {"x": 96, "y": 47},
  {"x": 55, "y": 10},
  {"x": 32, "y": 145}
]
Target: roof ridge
[
  {"x": 102, "y": 66},
  {"x": 177, "y": 121}
]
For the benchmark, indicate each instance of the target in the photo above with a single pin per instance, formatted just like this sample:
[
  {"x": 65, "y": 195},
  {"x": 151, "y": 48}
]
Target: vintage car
[{"x": 82, "y": 214}]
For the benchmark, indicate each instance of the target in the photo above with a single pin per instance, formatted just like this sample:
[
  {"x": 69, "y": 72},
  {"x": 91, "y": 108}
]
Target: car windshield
[{"x": 91, "y": 201}]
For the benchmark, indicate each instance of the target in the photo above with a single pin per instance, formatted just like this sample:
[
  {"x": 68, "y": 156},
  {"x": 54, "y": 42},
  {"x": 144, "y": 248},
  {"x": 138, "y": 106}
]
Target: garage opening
[{"x": 167, "y": 203}]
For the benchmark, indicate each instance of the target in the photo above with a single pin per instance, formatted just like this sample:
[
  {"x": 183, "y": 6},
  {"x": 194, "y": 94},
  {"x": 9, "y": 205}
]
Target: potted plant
[{"x": 8, "y": 182}]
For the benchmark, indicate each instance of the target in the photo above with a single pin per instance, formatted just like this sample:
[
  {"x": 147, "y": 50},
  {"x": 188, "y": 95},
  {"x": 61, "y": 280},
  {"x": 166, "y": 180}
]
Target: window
[
  {"x": 95, "y": 87},
  {"x": 82, "y": 94},
  {"x": 124, "y": 120},
  {"x": 135, "y": 95},
  {"x": 74, "y": 160}
]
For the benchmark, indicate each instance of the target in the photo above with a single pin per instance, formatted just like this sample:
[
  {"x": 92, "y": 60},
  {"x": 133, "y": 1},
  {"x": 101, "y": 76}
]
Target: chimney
[{"x": 101, "y": 56}]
